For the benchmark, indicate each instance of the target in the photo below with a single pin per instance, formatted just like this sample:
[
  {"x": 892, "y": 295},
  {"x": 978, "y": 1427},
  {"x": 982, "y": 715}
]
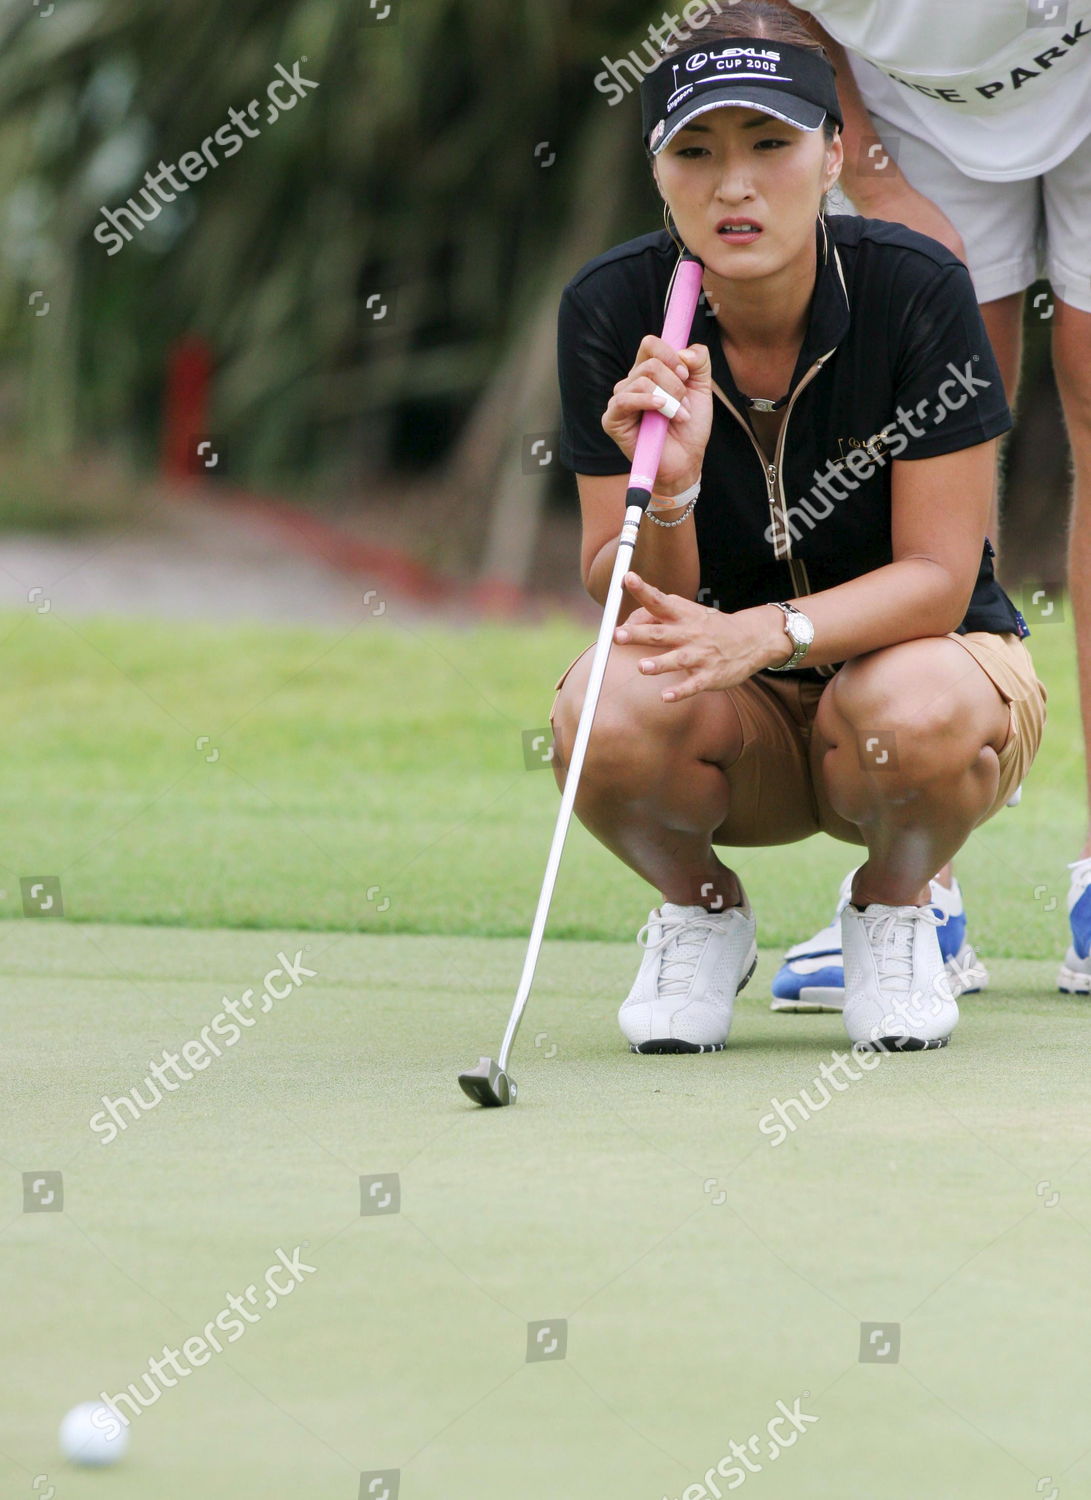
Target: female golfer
[{"x": 814, "y": 639}]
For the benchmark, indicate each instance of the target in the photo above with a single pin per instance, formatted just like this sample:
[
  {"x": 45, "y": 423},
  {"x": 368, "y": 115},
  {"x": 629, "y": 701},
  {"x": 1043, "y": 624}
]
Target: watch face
[{"x": 802, "y": 629}]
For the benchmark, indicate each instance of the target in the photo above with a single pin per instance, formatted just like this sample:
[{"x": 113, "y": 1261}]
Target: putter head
[{"x": 488, "y": 1085}]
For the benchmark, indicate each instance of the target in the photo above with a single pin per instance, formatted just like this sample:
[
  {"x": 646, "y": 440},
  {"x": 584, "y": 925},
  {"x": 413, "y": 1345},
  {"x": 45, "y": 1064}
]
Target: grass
[
  {"x": 210, "y": 798},
  {"x": 241, "y": 777},
  {"x": 704, "y": 1273}
]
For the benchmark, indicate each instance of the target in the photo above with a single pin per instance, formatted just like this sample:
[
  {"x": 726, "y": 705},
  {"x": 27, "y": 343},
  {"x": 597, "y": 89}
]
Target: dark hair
[{"x": 759, "y": 18}]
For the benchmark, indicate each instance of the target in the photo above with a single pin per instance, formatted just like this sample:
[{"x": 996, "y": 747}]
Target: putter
[{"x": 490, "y": 1084}]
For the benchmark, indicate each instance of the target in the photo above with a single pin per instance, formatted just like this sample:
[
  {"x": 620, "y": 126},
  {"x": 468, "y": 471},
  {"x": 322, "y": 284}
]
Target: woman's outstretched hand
[
  {"x": 714, "y": 650},
  {"x": 687, "y": 376}
]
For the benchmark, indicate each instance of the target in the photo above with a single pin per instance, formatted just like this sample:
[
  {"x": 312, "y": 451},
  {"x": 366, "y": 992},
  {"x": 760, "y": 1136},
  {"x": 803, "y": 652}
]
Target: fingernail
[
  {"x": 647, "y": 666},
  {"x": 683, "y": 371},
  {"x": 683, "y": 414},
  {"x": 622, "y": 635}
]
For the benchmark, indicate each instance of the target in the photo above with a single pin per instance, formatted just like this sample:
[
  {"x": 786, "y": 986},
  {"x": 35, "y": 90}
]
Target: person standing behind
[{"x": 971, "y": 123}]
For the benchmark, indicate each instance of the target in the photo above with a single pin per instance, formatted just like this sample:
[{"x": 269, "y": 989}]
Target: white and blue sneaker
[
  {"x": 1075, "y": 975},
  {"x": 812, "y": 976}
]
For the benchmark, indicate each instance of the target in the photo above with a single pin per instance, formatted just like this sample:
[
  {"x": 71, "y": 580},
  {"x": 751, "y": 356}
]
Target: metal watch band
[{"x": 800, "y": 648}]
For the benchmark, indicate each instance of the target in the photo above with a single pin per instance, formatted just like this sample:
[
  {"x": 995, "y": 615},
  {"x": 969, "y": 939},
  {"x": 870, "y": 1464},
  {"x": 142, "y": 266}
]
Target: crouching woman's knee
[
  {"x": 915, "y": 714},
  {"x": 633, "y": 729}
]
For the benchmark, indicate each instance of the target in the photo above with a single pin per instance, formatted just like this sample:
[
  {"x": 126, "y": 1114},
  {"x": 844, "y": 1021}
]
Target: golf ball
[{"x": 93, "y": 1434}]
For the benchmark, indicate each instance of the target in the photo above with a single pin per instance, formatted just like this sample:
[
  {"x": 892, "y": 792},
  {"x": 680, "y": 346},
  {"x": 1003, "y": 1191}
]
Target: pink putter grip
[{"x": 676, "y": 330}]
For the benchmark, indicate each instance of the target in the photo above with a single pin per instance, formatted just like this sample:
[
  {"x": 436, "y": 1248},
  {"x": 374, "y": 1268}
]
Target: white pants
[{"x": 1014, "y": 232}]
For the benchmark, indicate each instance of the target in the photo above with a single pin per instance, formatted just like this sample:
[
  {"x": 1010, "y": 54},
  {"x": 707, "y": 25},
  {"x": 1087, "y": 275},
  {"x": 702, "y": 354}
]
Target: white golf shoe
[
  {"x": 897, "y": 989},
  {"x": 695, "y": 963}
]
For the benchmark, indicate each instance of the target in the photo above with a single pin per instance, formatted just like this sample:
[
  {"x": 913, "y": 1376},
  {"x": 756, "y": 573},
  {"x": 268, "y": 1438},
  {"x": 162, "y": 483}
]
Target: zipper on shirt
[
  {"x": 774, "y": 475},
  {"x": 800, "y": 582},
  {"x": 770, "y": 470},
  {"x": 774, "y": 471},
  {"x": 782, "y": 533}
]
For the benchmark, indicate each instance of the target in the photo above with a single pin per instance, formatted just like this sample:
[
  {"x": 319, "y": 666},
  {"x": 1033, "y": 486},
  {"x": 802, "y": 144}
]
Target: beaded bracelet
[
  {"x": 687, "y": 512},
  {"x": 688, "y": 498}
]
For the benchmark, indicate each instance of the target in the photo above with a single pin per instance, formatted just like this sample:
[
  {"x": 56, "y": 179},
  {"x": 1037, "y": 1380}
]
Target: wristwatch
[{"x": 800, "y": 631}]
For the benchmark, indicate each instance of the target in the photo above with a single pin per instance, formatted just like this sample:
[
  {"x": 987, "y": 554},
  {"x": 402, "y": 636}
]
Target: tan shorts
[{"x": 776, "y": 799}]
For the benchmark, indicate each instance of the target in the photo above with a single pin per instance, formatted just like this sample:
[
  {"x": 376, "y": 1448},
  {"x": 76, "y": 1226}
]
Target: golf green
[{"x": 693, "y": 1269}]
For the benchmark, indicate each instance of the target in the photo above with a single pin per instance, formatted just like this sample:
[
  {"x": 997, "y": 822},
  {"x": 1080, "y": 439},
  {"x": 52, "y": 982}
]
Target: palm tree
[{"x": 417, "y": 175}]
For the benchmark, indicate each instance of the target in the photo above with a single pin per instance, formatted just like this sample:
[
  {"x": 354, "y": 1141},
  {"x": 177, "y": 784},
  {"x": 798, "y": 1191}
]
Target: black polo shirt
[{"x": 904, "y": 371}]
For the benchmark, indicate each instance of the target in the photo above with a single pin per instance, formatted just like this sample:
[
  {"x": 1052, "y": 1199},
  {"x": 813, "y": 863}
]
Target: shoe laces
[
  {"x": 892, "y": 933},
  {"x": 684, "y": 938}
]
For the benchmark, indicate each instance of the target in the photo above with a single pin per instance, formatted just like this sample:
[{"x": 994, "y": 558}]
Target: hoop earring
[
  {"x": 825, "y": 235},
  {"x": 671, "y": 228}
]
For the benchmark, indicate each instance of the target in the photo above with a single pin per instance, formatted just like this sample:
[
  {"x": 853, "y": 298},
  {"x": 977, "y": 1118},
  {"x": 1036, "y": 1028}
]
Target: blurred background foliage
[
  {"x": 376, "y": 273},
  {"x": 410, "y": 172}
]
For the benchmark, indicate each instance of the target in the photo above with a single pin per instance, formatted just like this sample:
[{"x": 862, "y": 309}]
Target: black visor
[{"x": 793, "y": 84}]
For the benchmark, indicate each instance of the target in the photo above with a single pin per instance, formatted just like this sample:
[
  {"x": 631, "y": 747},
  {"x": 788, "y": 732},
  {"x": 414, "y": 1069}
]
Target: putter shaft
[
  {"x": 612, "y": 609},
  {"x": 489, "y": 1083}
]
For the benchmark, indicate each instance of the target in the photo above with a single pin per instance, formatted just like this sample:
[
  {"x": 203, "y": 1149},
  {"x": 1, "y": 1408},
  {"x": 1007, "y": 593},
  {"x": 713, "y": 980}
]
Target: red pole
[{"x": 185, "y": 406}]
